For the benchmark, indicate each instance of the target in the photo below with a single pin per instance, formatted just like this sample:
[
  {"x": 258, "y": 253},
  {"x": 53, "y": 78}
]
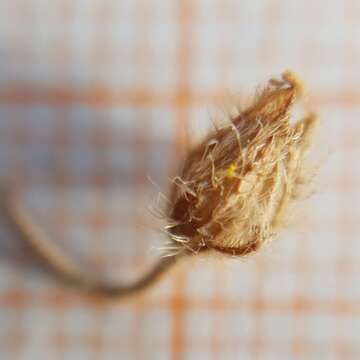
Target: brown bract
[{"x": 236, "y": 184}]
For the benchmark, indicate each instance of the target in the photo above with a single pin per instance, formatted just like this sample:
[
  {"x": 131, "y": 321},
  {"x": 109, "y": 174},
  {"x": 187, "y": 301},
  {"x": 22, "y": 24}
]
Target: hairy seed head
[{"x": 236, "y": 184}]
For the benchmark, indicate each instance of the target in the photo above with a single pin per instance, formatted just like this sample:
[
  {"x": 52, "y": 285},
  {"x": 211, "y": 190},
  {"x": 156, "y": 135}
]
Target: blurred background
[{"x": 96, "y": 95}]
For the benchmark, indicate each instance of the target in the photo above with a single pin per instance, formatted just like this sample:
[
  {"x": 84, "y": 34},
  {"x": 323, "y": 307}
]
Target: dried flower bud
[{"x": 236, "y": 184}]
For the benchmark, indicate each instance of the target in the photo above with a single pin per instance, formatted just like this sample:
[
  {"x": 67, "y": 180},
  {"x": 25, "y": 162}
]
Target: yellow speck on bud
[{"x": 231, "y": 170}]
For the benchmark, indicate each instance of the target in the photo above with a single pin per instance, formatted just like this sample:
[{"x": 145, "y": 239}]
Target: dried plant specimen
[{"x": 230, "y": 196}]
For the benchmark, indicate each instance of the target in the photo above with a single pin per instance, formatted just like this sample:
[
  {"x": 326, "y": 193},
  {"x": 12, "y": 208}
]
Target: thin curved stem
[{"x": 68, "y": 269}]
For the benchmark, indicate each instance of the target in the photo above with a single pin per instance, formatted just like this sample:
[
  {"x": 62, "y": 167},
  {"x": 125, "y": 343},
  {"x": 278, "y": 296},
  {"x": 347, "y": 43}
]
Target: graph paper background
[{"x": 94, "y": 96}]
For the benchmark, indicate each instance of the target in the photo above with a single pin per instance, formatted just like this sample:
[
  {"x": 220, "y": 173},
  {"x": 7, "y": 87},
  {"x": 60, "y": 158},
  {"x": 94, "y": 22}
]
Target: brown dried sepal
[{"x": 236, "y": 184}]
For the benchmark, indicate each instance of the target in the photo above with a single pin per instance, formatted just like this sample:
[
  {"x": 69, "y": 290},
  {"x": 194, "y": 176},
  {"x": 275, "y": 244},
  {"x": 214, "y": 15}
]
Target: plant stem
[{"x": 68, "y": 269}]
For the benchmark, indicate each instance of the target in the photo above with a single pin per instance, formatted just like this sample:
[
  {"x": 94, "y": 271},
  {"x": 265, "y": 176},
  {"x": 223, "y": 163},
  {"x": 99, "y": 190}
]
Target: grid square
[
  {"x": 199, "y": 325},
  {"x": 200, "y": 283},
  {"x": 160, "y": 338},
  {"x": 271, "y": 289}
]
